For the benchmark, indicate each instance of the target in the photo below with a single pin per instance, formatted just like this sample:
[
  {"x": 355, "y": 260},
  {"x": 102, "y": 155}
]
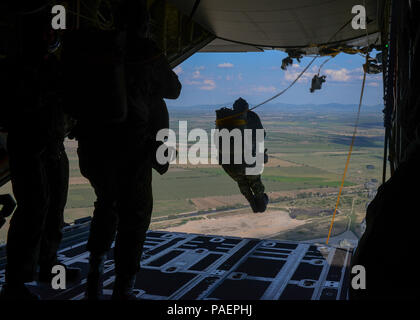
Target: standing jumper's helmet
[{"x": 240, "y": 105}]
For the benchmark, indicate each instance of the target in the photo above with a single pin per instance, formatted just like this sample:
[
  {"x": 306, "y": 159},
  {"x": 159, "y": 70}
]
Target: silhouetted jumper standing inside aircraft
[
  {"x": 107, "y": 91},
  {"x": 33, "y": 117},
  {"x": 157, "y": 81}
]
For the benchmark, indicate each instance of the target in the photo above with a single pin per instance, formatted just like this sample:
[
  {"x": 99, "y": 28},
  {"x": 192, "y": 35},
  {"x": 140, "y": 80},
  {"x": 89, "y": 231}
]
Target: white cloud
[
  {"x": 178, "y": 70},
  {"x": 196, "y": 74},
  {"x": 200, "y": 68},
  {"x": 192, "y": 82},
  {"x": 208, "y": 84},
  {"x": 341, "y": 75},
  {"x": 333, "y": 75},
  {"x": 240, "y": 76},
  {"x": 293, "y": 72},
  {"x": 264, "y": 89},
  {"x": 225, "y": 65}
]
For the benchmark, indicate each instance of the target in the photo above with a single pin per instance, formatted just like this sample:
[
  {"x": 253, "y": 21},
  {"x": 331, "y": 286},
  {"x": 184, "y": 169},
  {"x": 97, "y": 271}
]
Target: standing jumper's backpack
[
  {"x": 23, "y": 26},
  {"x": 94, "y": 78},
  {"x": 93, "y": 59}
]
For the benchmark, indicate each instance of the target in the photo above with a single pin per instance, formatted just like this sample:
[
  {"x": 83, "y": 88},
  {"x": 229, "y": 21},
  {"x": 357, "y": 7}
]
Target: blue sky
[{"x": 218, "y": 78}]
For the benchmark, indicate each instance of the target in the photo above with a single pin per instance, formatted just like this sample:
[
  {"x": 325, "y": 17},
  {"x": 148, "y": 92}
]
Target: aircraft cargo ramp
[{"x": 182, "y": 266}]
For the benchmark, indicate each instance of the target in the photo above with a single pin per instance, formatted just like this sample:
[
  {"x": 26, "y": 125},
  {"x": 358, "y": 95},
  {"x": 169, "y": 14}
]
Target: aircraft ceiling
[{"x": 255, "y": 25}]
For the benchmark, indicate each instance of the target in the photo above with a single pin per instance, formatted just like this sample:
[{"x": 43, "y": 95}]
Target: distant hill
[{"x": 284, "y": 107}]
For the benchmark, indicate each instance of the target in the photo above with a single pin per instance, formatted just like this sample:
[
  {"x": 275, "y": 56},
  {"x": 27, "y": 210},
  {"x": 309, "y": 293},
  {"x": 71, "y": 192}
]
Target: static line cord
[
  {"x": 219, "y": 121},
  {"x": 287, "y": 88},
  {"x": 304, "y": 70},
  {"x": 354, "y": 132},
  {"x": 350, "y": 151},
  {"x": 320, "y": 67}
]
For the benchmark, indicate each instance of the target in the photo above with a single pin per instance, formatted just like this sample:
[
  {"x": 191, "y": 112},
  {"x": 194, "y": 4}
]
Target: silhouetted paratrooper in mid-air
[{"x": 250, "y": 185}]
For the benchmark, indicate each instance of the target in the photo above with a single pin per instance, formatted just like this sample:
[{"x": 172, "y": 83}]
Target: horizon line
[{"x": 273, "y": 104}]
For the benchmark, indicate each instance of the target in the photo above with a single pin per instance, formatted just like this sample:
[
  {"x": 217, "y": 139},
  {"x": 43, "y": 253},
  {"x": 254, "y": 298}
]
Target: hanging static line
[
  {"x": 350, "y": 151},
  {"x": 287, "y": 88},
  {"x": 320, "y": 67},
  {"x": 304, "y": 70},
  {"x": 353, "y": 138},
  {"x": 222, "y": 120}
]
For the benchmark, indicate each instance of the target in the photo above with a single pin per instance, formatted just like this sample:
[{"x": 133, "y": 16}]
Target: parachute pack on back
[
  {"x": 23, "y": 44},
  {"x": 94, "y": 56},
  {"x": 94, "y": 77},
  {"x": 93, "y": 65},
  {"x": 230, "y": 119}
]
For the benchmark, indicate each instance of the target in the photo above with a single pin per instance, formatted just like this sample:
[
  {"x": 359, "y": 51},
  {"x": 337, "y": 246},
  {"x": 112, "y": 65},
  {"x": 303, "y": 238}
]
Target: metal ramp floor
[{"x": 181, "y": 266}]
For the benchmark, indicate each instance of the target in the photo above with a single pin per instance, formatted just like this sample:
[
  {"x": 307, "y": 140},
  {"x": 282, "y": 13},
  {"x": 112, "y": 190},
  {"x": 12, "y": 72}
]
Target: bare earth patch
[
  {"x": 218, "y": 201},
  {"x": 70, "y": 145},
  {"x": 242, "y": 225},
  {"x": 206, "y": 203},
  {"x": 78, "y": 180}
]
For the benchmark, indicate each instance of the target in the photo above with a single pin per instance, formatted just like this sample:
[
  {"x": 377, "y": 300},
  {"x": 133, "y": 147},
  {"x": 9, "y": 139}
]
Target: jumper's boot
[
  {"x": 94, "y": 283},
  {"x": 251, "y": 199},
  {"x": 45, "y": 274},
  {"x": 261, "y": 202},
  {"x": 17, "y": 291},
  {"x": 253, "y": 204},
  {"x": 123, "y": 287}
]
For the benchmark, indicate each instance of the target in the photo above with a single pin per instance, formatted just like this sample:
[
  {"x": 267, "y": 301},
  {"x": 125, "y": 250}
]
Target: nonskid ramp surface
[{"x": 183, "y": 266}]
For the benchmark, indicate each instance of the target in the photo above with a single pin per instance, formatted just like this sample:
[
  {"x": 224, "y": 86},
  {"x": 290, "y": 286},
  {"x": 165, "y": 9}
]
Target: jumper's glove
[{"x": 170, "y": 153}]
